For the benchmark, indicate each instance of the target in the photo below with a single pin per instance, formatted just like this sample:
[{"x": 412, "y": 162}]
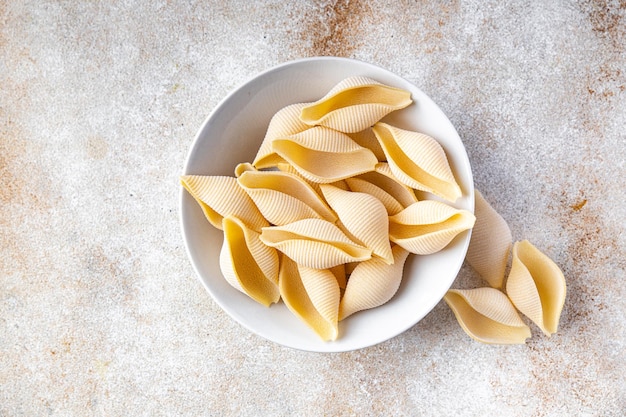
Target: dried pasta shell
[
  {"x": 367, "y": 139},
  {"x": 298, "y": 301},
  {"x": 372, "y": 283},
  {"x": 382, "y": 184},
  {"x": 487, "y": 315},
  {"x": 323, "y": 290},
  {"x": 314, "y": 243},
  {"x": 243, "y": 167},
  {"x": 221, "y": 196},
  {"x": 418, "y": 161},
  {"x": 428, "y": 226},
  {"x": 536, "y": 286},
  {"x": 490, "y": 244},
  {"x": 248, "y": 264},
  {"x": 355, "y": 104},
  {"x": 284, "y": 198},
  {"x": 285, "y": 122},
  {"x": 364, "y": 217},
  {"x": 324, "y": 155}
]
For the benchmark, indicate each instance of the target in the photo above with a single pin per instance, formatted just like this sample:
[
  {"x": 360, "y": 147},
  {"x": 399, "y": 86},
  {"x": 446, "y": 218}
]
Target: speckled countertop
[{"x": 100, "y": 310}]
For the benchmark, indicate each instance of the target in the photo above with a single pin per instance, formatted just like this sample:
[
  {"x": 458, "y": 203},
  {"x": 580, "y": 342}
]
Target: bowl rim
[{"x": 199, "y": 137}]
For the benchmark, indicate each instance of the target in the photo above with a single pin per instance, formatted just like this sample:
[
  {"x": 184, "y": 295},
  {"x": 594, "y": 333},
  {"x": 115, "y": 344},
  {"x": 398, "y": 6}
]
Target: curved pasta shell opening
[
  {"x": 382, "y": 184},
  {"x": 372, "y": 283},
  {"x": 248, "y": 264},
  {"x": 367, "y": 139},
  {"x": 355, "y": 104},
  {"x": 487, "y": 315},
  {"x": 314, "y": 243},
  {"x": 418, "y": 161},
  {"x": 221, "y": 196},
  {"x": 491, "y": 243},
  {"x": 322, "y": 155},
  {"x": 536, "y": 286},
  {"x": 296, "y": 298},
  {"x": 364, "y": 216},
  {"x": 428, "y": 226},
  {"x": 285, "y": 122},
  {"x": 284, "y": 198}
]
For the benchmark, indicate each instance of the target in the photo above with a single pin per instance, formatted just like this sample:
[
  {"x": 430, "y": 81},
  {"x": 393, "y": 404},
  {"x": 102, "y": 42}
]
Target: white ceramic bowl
[{"x": 232, "y": 134}]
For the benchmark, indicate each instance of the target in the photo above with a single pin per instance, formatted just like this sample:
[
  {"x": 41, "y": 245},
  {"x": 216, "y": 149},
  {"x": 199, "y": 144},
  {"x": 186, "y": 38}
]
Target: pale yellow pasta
[
  {"x": 355, "y": 104},
  {"x": 428, "y": 226},
  {"x": 297, "y": 300},
  {"x": 324, "y": 155},
  {"x": 243, "y": 167},
  {"x": 284, "y": 198},
  {"x": 248, "y": 264},
  {"x": 372, "y": 283},
  {"x": 487, "y": 315},
  {"x": 314, "y": 243},
  {"x": 324, "y": 293},
  {"x": 364, "y": 217},
  {"x": 221, "y": 196},
  {"x": 490, "y": 244},
  {"x": 382, "y": 184},
  {"x": 536, "y": 286},
  {"x": 285, "y": 122},
  {"x": 418, "y": 161},
  {"x": 340, "y": 274},
  {"x": 367, "y": 139}
]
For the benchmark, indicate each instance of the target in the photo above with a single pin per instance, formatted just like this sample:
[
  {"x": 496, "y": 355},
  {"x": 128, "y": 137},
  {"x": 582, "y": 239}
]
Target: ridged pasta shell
[
  {"x": 418, "y": 161},
  {"x": 285, "y": 122},
  {"x": 323, "y": 290},
  {"x": 243, "y": 167},
  {"x": 284, "y": 198},
  {"x": 367, "y": 139},
  {"x": 221, "y": 196},
  {"x": 297, "y": 299},
  {"x": 248, "y": 264},
  {"x": 355, "y": 104},
  {"x": 536, "y": 286},
  {"x": 372, "y": 283},
  {"x": 382, "y": 184},
  {"x": 487, "y": 315},
  {"x": 324, "y": 155},
  {"x": 314, "y": 243},
  {"x": 364, "y": 217},
  {"x": 428, "y": 226},
  {"x": 490, "y": 244}
]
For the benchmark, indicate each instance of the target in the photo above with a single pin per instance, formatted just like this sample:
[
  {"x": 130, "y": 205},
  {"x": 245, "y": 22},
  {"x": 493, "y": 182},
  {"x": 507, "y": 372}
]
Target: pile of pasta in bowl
[{"x": 332, "y": 205}]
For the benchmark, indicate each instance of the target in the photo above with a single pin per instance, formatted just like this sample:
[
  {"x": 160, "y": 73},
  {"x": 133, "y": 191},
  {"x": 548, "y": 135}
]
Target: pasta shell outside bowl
[{"x": 233, "y": 133}]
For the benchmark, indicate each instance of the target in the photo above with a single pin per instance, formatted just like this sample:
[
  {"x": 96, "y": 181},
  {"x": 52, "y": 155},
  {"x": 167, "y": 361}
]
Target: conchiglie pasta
[
  {"x": 372, "y": 283},
  {"x": 284, "y": 198},
  {"x": 382, "y": 184},
  {"x": 314, "y": 243},
  {"x": 367, "y": 139},
  {"x": 324, "y": 155},
  {"x": 487, "y": 315},
  {"x": 247, "y": 264},
  {"x": 536, "y": 286},
  {"x": 355, "y": 104},
  {"x": 221, "y": 196},
  {"x": 428, "y": 226},
  {"x": 418, "y": 161},
  {"x": 490, "y": 244},
  {"x": 364, "y": 217},
  {"x": 298, "y": 301},
  {"x": 284, "y": 123}
]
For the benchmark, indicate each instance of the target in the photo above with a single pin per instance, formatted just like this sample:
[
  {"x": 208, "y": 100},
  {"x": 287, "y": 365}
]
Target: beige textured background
[{"x": 100, "y": 310}]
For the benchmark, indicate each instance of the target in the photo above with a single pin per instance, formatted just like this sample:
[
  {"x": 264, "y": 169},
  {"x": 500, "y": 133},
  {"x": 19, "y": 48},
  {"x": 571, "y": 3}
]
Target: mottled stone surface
[{"x": 100, "y": 310}]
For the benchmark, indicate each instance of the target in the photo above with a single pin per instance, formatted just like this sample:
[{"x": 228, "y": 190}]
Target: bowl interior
[{"x": 232, "y": 134}]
